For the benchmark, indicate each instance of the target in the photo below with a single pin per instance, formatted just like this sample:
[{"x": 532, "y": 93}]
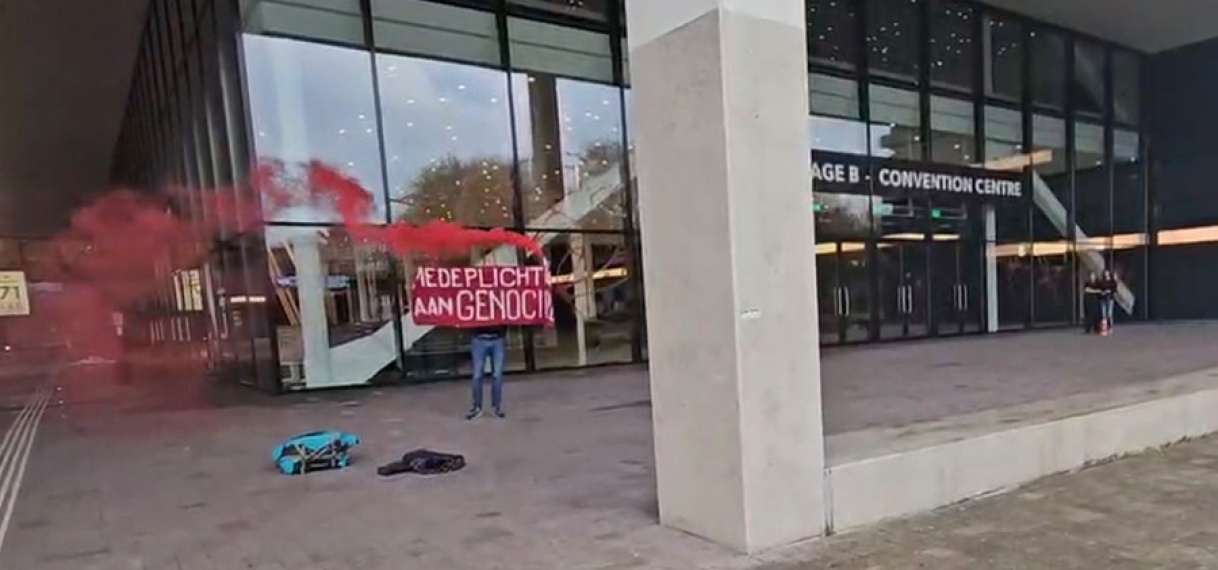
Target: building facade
[{"x": 517, "y": 114}]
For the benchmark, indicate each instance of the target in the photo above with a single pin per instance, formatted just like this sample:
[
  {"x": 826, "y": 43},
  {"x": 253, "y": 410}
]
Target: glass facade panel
[
  {"x": 1004, "y": 49},
  {"x": 513, "y": 114},
  {"x": 311, "y": 101},
  {"x": 1126, "y": 87},
  {"x": 894, "y": 36},
  {"x": 1090, "y": 90},
  {"x": 896, "y": 123},
  {"x": 952, "y": 136},
  {"x": 952, "y": 45},
  {"x": 448, "y": 141},
  {"x": 833, "y": 32},
  {"x": 1048, "y": 55}
]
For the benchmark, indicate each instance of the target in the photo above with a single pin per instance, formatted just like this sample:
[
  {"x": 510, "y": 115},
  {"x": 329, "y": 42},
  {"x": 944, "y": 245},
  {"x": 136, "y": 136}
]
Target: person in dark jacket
[
  {"x": 488, "y": 343},
  {"x": 1108, "y": 291},
  {"x": 1092, "y": 293}
]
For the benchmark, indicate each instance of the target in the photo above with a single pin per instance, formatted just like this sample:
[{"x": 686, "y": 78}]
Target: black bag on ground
[{"x": 423, "y": 462}]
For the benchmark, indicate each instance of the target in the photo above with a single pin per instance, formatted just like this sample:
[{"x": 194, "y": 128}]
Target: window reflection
[
  {"x": 1126, "y": 87},
  {"x": 952, "y": 138},
  {"x": 570, "y": 137},
  {"x": 1090, "y": 95},
  {"x": 896, "y": 123},
  {"x": 1004, "y": 62},
  {"x": 832, "y": 32},
  {"x": 583, "y": 9},
  {"x": 448, "y": 142},
  {"x": 593, "y": 302},
  {"x": 952, "y": 45},
  {"x": 893, "y": 35},
  {"x": 1048, "y": 68},
  {"x": 310, "y": 101}
]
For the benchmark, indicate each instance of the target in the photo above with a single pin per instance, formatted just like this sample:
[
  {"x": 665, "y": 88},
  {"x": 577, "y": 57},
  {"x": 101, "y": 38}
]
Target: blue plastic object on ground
[{"x": 314, "y": 451}]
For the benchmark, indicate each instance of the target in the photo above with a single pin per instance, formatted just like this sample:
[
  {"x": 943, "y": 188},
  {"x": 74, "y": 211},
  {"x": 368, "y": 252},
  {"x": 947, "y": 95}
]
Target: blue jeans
[
  {"x": 484, "y": 347},
  {"x": 1106, "y": 309}
]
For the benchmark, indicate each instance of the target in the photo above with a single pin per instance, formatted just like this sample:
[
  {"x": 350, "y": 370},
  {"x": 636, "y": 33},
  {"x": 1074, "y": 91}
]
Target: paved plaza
[{"x": 164, "y": 472}]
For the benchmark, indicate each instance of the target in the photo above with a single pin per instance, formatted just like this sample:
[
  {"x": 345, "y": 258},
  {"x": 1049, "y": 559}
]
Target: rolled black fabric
[{"x": 423, "y": 462}]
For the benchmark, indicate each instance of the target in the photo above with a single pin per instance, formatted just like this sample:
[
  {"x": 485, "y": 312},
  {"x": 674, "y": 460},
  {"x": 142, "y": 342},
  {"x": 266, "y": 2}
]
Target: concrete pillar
[
  {"x": 991, "y": 268},
  {"x": 311, "y": 293},
  {"x": 720, "y": 101}
]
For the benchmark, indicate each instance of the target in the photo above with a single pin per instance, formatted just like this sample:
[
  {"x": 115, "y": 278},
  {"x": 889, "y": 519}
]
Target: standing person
[
  {"x": 1091, "y": 304},
  {"x": 488, "y": 343},
  {"x": 1108, "y": 291}
]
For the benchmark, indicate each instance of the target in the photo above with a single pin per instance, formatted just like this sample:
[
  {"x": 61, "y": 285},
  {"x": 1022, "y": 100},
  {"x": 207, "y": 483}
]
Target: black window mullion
[
  {"x": 505, "y": 58},
  {"x": 1072, "y": 175},
  {"x": 1026, "y": 95},
  {"x": 1109, "y": 152}
]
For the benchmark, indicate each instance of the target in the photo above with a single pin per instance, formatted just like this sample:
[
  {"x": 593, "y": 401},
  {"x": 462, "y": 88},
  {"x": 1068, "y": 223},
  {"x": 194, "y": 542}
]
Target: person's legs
[
  {"x": 1108, "y": 306},
  {"x": 478, "y": 352},
  {"x": 498, "y": 350}
]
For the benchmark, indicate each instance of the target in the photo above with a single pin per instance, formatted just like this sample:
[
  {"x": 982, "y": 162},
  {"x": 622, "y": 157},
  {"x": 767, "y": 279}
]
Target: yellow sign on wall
[{"x": 14, "y": 295}]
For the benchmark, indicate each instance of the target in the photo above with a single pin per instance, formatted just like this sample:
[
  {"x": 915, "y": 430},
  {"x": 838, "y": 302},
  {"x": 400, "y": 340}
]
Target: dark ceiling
[{"x": 64, "y": 70}]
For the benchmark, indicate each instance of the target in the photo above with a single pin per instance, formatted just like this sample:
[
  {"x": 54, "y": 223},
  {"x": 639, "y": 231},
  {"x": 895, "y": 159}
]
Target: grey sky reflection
[{"x": 313, "y": 101}]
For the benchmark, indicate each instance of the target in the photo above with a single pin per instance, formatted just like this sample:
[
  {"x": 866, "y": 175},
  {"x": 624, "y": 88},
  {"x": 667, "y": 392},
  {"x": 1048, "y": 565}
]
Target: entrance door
[
  {"x": 902, "y": 301},
  {"x": 957, "y": 269},
  {"x": 958, "y": 298},
  {"x": 843, "y": 292}
]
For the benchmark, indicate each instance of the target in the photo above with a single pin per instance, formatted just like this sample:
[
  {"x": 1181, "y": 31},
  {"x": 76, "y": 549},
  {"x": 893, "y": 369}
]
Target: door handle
[
  {"x": 838, "y": 306},
  {"x": 909, "y": 300},
  {"x": 964, "y": 295},
  {"x": 846, "y": 300},
  {"x": 901, "y": 300}
]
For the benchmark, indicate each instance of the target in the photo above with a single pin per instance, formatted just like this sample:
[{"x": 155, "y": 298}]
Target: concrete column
[
  {"x": 721, "y": 103},
  {"x": 311, "y": 293},
  {"x": 991, "y": 268}
]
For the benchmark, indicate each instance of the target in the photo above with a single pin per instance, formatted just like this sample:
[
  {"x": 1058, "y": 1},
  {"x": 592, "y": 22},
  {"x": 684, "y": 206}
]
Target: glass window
[
  {"x": 429, "y": 28},
  {"x": 1004, "y": 139},
  {"x": 1093, "y": 194},
  {"x": 894, "y": 38},
  {"x": 448, "y": 141},
  {"x": 952, "y": 46},
  {"x": 833, "y": 32},
  {"x": 310, "y": 101},
  {"x": 1050, "y": 164},
  {"x": 570, "y": 132},
  {"x": 335, "y": 21},
  {"x": 593, "y": 302},
  {"x": 952, "y": 139},
  {"x": 896, "y": 123},
  {"x": 1048, "y": 68},
  {"x": 571, "y": 151},
  {"x": 1129, "y": 194},
  {"x": 1004, "y": 58},
  {"x": 834, "y": 96},
  {"x": 560, "y": 50},
  {"x": 597, "y": 10},
  {"x": 1126, "y": 86},
  {"x": 1090, "y": 94}
]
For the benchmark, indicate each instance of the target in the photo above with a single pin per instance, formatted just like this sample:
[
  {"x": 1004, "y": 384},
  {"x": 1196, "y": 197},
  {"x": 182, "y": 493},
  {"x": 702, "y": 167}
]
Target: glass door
[
  {"x": 903, "y": 301},
  {"x": 957, "y": 269},
  {"x": 844, "y": 293}
]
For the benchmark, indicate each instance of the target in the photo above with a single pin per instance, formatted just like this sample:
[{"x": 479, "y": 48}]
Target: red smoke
[{"x": 121, "y": 249}]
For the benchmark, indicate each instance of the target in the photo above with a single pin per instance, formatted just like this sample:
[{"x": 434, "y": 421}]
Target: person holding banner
[{"x": 488, "y": 343}]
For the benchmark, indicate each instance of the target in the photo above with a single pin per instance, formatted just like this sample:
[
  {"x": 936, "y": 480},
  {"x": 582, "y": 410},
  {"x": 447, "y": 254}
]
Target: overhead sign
[
  {"x": 467, "y": 297},
  {"x": 854, "y": 174},
  {"x": 14, "y": 295}
]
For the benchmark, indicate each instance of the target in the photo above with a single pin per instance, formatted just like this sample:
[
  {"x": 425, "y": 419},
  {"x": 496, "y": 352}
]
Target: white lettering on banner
[
  {"x": 914, "y": 180},
  {"x": 839, "y": 173}
]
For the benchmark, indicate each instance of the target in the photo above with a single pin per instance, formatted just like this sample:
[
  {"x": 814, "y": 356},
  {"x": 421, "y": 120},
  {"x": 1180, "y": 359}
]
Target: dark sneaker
[
  {"x": 474, "y": 414},
  {"x": 499, "y": 413}
]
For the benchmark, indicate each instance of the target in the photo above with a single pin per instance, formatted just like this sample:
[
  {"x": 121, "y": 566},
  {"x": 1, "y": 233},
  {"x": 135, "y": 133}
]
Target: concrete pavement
[{"x": 141, "y": 475}]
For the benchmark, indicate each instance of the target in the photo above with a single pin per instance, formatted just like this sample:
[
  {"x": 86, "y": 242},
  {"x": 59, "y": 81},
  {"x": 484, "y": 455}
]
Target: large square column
[{"x": 721, "y": 102}]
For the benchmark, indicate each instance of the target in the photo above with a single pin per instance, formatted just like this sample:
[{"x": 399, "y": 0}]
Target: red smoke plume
[{"x": 120, "y": 249}]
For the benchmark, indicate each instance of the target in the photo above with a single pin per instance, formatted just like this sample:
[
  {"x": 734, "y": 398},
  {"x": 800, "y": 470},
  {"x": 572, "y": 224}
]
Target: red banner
[{"x": 466, "y": 297}]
